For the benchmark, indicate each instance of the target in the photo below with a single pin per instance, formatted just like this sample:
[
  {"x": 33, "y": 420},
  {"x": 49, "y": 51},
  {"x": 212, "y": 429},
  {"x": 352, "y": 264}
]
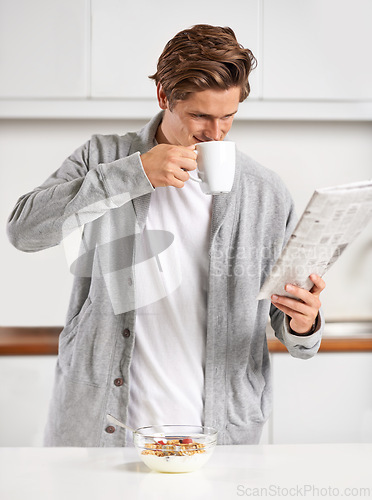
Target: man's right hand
[{"x": 165, "y": 164}]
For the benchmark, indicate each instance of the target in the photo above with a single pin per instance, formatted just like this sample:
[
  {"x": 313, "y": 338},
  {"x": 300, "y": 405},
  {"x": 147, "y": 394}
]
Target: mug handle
[{"x": 195, "y": 179}]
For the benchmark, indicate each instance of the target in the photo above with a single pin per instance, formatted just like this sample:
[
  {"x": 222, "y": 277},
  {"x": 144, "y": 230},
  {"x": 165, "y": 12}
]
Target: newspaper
[{"x": 332, "y": 219}]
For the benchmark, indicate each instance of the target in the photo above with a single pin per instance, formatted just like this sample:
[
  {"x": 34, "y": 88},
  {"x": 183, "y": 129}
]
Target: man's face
[{"x": 203, "y": 116}]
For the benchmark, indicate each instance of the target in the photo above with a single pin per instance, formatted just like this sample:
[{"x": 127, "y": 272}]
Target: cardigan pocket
[
  {"x": 75, "y": 356},
  {"x": 86, "y": 346},
  {"x": 69, "y": 330}
]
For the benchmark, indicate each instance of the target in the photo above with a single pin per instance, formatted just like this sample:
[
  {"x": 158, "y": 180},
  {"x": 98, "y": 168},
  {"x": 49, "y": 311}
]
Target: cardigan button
[
  {"x": 118, "y": 382},
  {"x": 126, "y": 333},
  {"x": 110, "y": 429}
]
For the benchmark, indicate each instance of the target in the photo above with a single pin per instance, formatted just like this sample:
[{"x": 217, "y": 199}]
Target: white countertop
[{"x": 263, "y": 471}]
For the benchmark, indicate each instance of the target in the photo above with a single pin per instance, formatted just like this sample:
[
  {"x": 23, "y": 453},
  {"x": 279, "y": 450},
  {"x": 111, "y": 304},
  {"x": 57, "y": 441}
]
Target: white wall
[
  {"x": 35, "y": 287},
  {"x": 308, "y": 155}
]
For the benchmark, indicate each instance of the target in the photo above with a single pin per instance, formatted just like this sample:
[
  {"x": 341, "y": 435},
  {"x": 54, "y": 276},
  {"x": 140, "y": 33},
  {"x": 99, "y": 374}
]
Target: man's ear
[{"x": 162, "y": 98}]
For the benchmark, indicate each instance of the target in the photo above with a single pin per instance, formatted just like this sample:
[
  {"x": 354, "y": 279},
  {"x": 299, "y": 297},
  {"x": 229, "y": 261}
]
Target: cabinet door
[
  {"x": 44, "y": 48},
  {"x": 25, "y": 391},
  {"x": 316, "y": 49},
  {"x": 326, "y": 399},
  {"x": 127, "y": 39}
]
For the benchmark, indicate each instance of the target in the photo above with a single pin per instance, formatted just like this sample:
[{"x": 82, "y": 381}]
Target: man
[{"x": 163, "y": 324}]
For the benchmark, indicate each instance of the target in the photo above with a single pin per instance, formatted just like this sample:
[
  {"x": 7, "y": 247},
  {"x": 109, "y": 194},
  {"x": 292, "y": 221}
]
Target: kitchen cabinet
[
  {"x": 128, "y": 40},
  {"x": 25, "y": 390},
  {"x": 90, "y": 59},
  {"x": 325, "y": 399},
  {"x": 317, "y": 50},
  {"x": 44, "y": 48}
]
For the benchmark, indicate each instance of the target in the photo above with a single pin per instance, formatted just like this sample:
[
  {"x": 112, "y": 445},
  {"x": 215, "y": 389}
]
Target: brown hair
[{"x": 201, "y": 58}]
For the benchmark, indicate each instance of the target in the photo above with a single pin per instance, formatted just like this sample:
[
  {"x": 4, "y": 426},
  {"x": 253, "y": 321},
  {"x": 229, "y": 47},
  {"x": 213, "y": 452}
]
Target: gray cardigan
[{"x": 102, "y": 194}]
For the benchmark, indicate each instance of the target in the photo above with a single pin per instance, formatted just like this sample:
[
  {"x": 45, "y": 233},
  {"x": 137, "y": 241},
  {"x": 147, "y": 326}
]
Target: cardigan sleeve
[
  {"x": 299, "y": 346},
  {"x": 77, "y": 193}
]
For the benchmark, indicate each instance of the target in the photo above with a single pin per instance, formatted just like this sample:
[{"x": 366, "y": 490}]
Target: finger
[
  {"x": 188, "y": 164},
  {"x": 177, "y": 183},
  {"x": 288, "y": 310},
  {"x": 293, "y": 305},
  {"x": 188, "y": 152},
  {"x": 300, "y": 293},
  {"x": 303, "y": 295},
  {"x": 181, "y": 175},
  {"x": 319, "y": 284},
  {"x": 301, "y": 322}
]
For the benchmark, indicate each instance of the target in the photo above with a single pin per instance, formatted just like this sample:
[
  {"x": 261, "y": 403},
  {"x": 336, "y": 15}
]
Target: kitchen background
[{"x": 72, "y": 68}]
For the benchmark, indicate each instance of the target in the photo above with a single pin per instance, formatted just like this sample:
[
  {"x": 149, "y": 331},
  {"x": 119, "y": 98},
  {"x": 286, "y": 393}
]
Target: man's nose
[{"x": 214, "y": 131}]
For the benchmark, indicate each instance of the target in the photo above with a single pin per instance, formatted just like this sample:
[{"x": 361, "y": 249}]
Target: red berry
[
  {"x": 187, "y": 441},
  {"x": 161, "y": 442}
]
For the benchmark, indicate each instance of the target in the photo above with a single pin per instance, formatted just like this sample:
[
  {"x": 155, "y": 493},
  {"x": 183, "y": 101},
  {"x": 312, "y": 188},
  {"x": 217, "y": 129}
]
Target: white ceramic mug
[{"x": 215, "y": 166}]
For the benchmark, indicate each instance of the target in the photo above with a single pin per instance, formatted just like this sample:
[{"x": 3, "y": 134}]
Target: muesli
[{"x": 174, "y": 447}]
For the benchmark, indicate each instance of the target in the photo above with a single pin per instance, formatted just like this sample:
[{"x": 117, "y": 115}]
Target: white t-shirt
[{"x": 167, "y": 369}]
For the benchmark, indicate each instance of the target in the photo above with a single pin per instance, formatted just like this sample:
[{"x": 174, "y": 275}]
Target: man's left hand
[{"x": 304, "y": 309}]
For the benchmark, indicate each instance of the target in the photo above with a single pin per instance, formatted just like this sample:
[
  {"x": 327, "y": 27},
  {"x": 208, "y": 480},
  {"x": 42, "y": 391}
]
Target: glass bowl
[{"x": 175, "y": 448}]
